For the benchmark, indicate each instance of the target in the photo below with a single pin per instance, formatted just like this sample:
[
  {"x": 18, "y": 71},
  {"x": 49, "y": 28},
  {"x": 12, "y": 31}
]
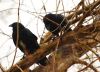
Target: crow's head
[
  {"x": 53, "y": 19},
  {"x": 48, "y": 18},
  {"x": 16, "y": 24}
]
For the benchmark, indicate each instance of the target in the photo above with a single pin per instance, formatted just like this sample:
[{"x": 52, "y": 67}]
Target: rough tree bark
[{"x": 67, "y": 49}]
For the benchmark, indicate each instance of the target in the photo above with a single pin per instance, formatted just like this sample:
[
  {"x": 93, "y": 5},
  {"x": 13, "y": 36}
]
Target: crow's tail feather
[{"x": 44, "y": 61}]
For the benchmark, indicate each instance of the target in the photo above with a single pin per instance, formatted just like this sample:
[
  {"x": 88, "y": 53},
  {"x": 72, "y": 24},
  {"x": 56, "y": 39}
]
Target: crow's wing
[{"x": 30, "y": 34}]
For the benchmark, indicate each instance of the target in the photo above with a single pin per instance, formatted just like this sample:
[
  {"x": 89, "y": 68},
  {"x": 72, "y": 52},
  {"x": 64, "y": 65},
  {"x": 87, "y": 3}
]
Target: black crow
[
  {"x": 27, "y": 41},
  {"x": 55, "y": 22}
]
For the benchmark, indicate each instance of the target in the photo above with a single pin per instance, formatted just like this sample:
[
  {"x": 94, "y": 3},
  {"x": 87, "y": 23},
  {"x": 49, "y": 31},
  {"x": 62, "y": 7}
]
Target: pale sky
[{"x": 30, "y": 10}]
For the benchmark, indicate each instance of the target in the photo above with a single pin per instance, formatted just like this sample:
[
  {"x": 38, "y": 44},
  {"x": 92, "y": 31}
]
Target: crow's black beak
[{"x": 10, "y": 25}]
